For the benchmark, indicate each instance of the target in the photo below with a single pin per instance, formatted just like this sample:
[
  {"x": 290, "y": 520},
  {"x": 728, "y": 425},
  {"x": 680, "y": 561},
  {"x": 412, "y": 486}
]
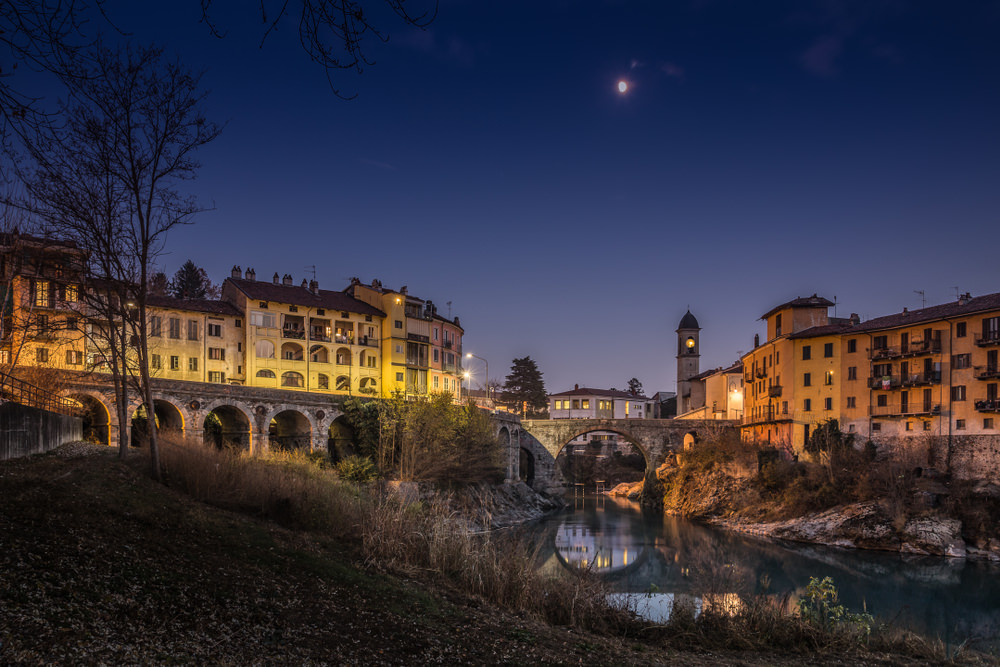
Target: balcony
[
  {"x": 988, "y": 405},
  {"x": 774, "y": 391},
  {"x": 988, "y": 339},
  {"x": 884, "y": 382},
  {"x": 921, "y": 379},
  {"x": 343, "y": 339},
  {"x": 319, "y": 335},
  {"x": 884, "y": 353},
  {"x": 293, "y": 332},
  {"x": 761, "y": 373},
  {"x": 921, "y": 409},
  {"x": 768, "y": 414},
  {"x": 986, "y": 372},
  {"x": 918, "y": 347}
]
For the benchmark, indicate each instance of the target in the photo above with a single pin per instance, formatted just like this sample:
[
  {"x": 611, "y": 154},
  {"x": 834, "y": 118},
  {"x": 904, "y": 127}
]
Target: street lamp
[{"x": 469, "y": 355}]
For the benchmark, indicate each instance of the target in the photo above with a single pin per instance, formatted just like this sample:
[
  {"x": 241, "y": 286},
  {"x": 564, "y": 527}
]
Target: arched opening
[
  {"x": 291, "y": 352},
  {"x": 690, "y": 439},
  {"x": 526, "y": 466},
  {"x": 368, "y": 386},
  {"x": 292, "y": 379},
  {"x": 169, "y": 422},
  {"x": 226, "y": 427},
  {"x": 322, "y": 381},
  {"x": 290, "y": 430},
  {"x": 343, "y": 383},
  {"x": 343, "y": 356},
  {"x": 319, "y": 354},
  {"x": 601, "y": 459},
  {"x": 265, "y": 349},
  {"x": 96, "y": 419},
  {"x": 340, "y": 439}
]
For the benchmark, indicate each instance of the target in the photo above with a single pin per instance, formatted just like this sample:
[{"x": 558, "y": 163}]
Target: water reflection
[{"x": 639, "y": 551}]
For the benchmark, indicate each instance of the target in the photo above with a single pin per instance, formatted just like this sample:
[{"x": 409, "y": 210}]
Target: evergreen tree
[
  {"x": 524, "y": 388},
  {"x": 159, "y": 284},
  {"x": 191, "y": 282},
  {"x": 635, "y": 387}
]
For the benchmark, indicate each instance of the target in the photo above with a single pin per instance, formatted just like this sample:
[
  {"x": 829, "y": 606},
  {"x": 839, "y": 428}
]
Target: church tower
[{"x": 688, "y": 354}]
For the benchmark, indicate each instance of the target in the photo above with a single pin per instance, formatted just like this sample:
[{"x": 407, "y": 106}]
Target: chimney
[
  {"x": 286, "y": 279},
  {"x": 576, "y": 387},
  {"x": 251, "y": 274},
  {"x": 756, "y": 341},
  {"x": 304, "y": 284},
  {"x": 904, "y": 310},
  {"x": 276, "y": 280},
  {"x": 402, "y": 290},
  {"x": 236, "y": 272},
  {"x": 314, "y": 286},
  {"x": 964, "y": 299},
  {"x": 855, "y": 319}
]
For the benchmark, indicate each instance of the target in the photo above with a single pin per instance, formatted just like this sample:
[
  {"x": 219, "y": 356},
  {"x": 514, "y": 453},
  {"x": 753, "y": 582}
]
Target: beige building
[{"x": 716, "y": 394}]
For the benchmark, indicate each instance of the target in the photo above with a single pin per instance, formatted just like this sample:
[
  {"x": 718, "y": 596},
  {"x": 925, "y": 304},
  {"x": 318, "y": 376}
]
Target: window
[
  {"x": 154, "y": 362},
  {"x": 828, "y": 378},
  {"x": 238, "y": 324},
  {"x": 217, "y": 377},
  {"x": 42, "y": 294},
  {"x": 828, "y": 403},
  {"x": 576, "y": 404},
  {"x": 852, "y": 373},
  {"x": 808, "y": 405},
  {"x": 927, "y": 426},
  {"x": 259, "y": 319},
  {"x": 958, "y": 393},
  {"x": 876, "y": 427},
  {"x": 42, "y": 321},
  {"x": 155, "y": 326},
  {"x": 175, "y": 363},
  {"x": 175, "y": 327},
  {"x": 777, "y": 324},
  {"x": 959, "y": 424},
  {"x": 42, "y": 355},
  {"x": 777, "y": 357},
  {"x": 370, "y": 361},
  {"x": 961, "y": 360},
  {"x": 215, "y": 330},
  {"x": 988, "y": 422},
  {"x": 398, "y": 324},
  {"x": 399, "y": 377},
  {"x": 852, "y": 345},
  {"x": 192, "y": 363},
  {"x": 882, "y": 400},
  {"x": 850, "y": 428},
  {"x": 291, "y": 379},
  {"x": 436, "y": 331},
  {"x": 262, "y": 304},
  {"x": 960, "y": 330},
  {"x": 293, "y": 309},
  {"x": 192, "y": 329},
  {"x": 265, "y": 349},
  {"x": 323, "y": 381},
  {"x": 806, "y": 352},
  {"x": 585, "y": 404},
  {"x": 909, "y": 426},
  {"x": 265, "y": 373},
  {"x": 851, "y": 402},
  {"x": 784, "y": 407},
  {"x": 217, "y": 353},
  {"x": 437, "y": 382},
  {"x": 827, "y": 350},
  {"x": 880, "y": 342},
  {"x": 807, "y": 380},
  {"x": 436, "y": 355},
  {"x": 72, "y": 294},
  {"x": 74, "y": 357}
]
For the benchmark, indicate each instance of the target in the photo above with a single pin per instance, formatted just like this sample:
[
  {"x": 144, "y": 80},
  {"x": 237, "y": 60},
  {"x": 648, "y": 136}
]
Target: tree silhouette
[
  {"x": 524, "y": 389},
  {"x": 192, "y": 282}
]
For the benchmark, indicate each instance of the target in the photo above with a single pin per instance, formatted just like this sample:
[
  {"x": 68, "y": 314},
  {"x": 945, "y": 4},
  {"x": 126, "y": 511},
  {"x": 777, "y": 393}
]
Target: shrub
[{"x": 358, "y": 469}]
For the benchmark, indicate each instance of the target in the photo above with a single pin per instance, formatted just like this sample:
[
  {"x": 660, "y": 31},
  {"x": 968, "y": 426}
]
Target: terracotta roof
[
  {"x": 986, "y": 302},
  {"x": 607, "y": 393},
  {"x": 197, "y": 305},
  {"x": 259, "y": 290},
  {"x": 735, "y": 368},
  {"x": 800, "y": 302}
]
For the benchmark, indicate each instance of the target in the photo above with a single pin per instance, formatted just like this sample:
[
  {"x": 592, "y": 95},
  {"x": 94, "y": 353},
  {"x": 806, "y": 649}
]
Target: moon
[{"x": 622, "y": 86}]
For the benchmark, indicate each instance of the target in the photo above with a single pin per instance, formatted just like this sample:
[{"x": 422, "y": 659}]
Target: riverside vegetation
[{"x": 275, "y": 559}]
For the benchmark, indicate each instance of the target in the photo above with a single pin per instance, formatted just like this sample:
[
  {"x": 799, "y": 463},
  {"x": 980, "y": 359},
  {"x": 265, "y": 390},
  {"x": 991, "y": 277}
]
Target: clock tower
[{"x": 688, "y": 354}]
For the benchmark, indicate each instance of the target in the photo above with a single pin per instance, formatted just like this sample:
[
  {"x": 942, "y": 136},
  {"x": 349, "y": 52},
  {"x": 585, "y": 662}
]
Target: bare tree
[{"x": 110, "y": 177}]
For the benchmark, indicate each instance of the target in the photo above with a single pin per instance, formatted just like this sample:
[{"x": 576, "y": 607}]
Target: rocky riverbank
[{"x": 487, "y": 506}]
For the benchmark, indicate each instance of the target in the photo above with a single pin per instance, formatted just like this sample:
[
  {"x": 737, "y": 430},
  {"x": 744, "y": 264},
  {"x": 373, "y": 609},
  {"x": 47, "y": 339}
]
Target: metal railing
[{"x": 24, "y": 393}]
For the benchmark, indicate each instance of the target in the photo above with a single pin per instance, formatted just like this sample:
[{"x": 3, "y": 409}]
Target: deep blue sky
[{"x": 764, "y": 150}]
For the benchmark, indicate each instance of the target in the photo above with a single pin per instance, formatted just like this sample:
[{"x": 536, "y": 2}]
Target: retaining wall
[{"x": 25, "y": 431}]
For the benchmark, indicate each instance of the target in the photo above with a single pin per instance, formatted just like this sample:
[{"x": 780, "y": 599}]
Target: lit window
[{"x": 265, "y": 373}]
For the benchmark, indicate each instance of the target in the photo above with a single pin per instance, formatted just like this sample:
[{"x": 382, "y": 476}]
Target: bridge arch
[
  {"x": 227, "y": 426},
  {"x": 97, "y": 417},
  {"x": 629, "y": 437},
  {"x": 289, "y": 429},
  {"x": 169, "y": 420}
]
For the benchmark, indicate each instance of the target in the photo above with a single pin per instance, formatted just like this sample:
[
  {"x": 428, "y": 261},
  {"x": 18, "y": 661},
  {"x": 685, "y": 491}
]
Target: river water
[{"x": 642, "y": 551}]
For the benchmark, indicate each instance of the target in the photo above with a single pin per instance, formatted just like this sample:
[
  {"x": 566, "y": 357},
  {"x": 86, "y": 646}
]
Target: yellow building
[
  {"x": 300, "y": 337},
  {"x": 197, "y": 340},
  {"x": 716, "y": 394}
]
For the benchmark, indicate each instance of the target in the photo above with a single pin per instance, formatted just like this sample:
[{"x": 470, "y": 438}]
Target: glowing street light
[{"x": 469, "y": 355}]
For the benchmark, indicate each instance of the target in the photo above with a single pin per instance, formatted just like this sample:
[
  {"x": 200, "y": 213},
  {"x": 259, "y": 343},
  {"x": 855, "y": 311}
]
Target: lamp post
[{"x": 469, "y": 355}]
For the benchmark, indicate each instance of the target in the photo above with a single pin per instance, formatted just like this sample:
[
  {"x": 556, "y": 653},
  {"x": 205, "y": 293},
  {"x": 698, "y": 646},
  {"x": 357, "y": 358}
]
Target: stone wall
[
  {"x": 975, "y": 457},
  {"x": 25, "y": 431}
]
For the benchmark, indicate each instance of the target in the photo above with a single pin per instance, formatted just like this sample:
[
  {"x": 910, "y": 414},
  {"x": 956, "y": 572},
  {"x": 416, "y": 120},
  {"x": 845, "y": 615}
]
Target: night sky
[{"x": 763, "y": 151}]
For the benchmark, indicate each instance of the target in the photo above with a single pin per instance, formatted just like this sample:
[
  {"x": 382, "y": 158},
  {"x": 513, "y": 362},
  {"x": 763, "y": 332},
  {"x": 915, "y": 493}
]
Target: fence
[{"x": 24, "y": 393}]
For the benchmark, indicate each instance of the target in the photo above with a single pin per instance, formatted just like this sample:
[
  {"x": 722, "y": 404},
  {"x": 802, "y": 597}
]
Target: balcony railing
[
  {"x": 768, "y": 414},
  {"x": 919, "y": 379},
  {"x": 917, "y": 347},
  {"x": 988, "y": 405},
  {"x": 774, "y": 390},
  {"x": 906, "y": 410},
  {"x": 986, "y": 372},
  {"x": 761, "y": 373},
  {"x": 25, "y": 393},
  {"x": 319, "y": 336},
  {"x": 341, "y": 338},
  {"x": 883, "y": 353},
  {"x": 987, "y": 339},
  {"x": 884, "y": 382},
  {"x": 298, "y": 334}
]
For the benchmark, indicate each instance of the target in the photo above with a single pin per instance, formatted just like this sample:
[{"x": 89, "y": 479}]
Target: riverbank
[{"x": 101, "y": 565}]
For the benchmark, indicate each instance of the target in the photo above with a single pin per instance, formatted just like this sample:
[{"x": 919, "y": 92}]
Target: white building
[{"x": 585, "y": 403}]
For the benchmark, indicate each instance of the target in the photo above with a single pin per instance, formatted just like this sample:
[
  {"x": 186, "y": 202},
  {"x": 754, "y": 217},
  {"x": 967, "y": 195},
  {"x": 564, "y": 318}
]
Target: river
[{"x": 641, "y": 551}]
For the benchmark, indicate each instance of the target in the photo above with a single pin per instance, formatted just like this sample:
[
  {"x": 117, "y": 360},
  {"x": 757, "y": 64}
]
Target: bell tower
[{"x": 688, "y": 355}]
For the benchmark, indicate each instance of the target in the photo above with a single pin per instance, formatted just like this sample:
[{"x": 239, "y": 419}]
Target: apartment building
[{"x": 586, "y": 403}]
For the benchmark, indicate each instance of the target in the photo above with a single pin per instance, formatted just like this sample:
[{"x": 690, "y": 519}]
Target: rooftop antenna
[
  {"x": 449, "y": 309},
  {"x": 957, "y": 293},
  {"x": 923, "y": 298},
  {"x": 835, "y": 305},
  {"x": 313, "y": 269}
]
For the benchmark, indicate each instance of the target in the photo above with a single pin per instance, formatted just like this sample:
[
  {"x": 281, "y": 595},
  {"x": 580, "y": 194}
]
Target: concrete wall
[{"x": 25, "y": 431}]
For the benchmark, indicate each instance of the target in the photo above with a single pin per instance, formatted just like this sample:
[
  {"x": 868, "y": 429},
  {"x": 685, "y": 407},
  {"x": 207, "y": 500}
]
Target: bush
[{"x": 358, "y": 469}]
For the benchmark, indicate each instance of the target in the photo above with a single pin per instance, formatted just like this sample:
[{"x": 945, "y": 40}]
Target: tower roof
[{"x": 688, "y": 322}]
